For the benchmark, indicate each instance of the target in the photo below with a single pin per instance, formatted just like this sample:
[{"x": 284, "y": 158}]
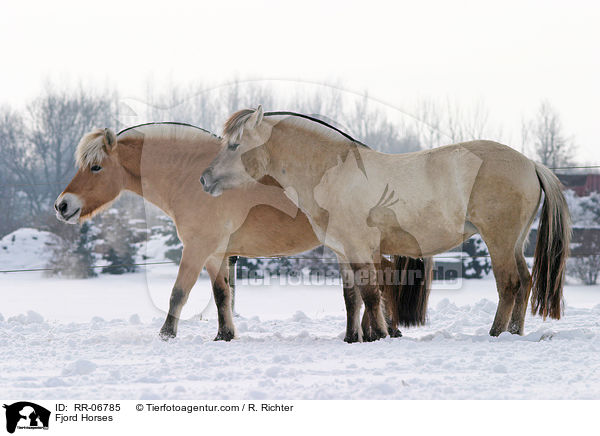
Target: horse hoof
[
  {"x": 351, "y": 338},
  {"x": 165, "y": 335},
  {"x": 495, "y": 332},
  {"x": 394, "y": 333},
  {"x": 516, "y": 330},
  {"x": 372, "y": 336},
  {"x": 376, "y": 334},
  {"x": 225, "y": 336}
]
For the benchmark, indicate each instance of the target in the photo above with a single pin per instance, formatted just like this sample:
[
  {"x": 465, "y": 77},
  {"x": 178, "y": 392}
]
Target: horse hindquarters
[
  {"x": 502, "y": 206},
  {"x": 551, "y": 252}
]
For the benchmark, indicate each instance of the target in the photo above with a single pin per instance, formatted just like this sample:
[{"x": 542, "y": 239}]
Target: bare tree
[
  {"x": 186, "y": 104},
  {"x": 36, "y": 150},
  {"x": 466, "y": 124},
  {"x": 545, "y": 133},
  {"x": 438, "y": 123},
  {"x": 372, "y": 126},
  {"x": 57, "y": 121},
  {"x": 585, "y": 268},
  {"x": 13, "y": 180},
  {"x": 428, "y": 123},
  {"x": 360, "y": 118},
  {"x": 203, "y": 106}
]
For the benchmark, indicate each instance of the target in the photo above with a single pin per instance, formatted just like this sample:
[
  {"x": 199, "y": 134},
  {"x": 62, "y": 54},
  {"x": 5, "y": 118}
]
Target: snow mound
[
  {"x": 154, "y": 249},
  {"x": 79, "y": 367},
  {"x": 26, "y": 248},
  {"x": 300, "y": 316},
  {"x": 31, "y": 318}
]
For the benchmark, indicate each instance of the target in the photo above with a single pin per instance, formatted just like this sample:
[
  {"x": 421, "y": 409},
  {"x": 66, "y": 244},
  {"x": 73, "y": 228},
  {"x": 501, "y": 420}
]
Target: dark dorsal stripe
[
  {"x": 316, "y": 120},
  {"x": 173, "y": 123},
  {"x": 357, "y": 156}
]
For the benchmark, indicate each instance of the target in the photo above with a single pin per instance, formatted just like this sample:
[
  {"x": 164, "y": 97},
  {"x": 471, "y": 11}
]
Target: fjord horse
[
  {"x": 361, "y": 203},
  {"x": 161, "y": 162}
]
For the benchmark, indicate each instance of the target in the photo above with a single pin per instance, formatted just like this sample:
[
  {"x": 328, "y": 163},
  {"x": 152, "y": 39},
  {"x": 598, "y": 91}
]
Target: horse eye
[
  {"x": 95, "y": 168},
  {"x": 232, "y": 147}
]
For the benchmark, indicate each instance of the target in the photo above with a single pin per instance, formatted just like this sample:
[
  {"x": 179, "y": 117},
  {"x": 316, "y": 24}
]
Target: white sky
[{"x": 511, "y": 55}]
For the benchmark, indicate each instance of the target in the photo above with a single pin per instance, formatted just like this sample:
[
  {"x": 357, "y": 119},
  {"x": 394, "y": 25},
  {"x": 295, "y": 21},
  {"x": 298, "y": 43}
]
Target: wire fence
[
  {"x": 6, "y": 185},
  {"x": 459, "y": 256}
]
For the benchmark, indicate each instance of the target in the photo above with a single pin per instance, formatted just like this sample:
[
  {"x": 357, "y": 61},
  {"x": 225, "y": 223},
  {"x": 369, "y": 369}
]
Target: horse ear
[
  {"x": 110, "y": 139},
  {"x": 256, "y": 117}
]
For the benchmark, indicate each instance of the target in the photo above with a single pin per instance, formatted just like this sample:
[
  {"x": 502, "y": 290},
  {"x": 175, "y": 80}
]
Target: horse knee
[
  {"x": 371, "y": 297},
  {"x": 221, "y": 294},
  {"x": 178, "y": 297}
]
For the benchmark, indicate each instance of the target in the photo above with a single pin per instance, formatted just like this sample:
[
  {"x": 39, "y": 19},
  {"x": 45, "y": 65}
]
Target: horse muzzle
[
  {"x": 68, "y": 208},
  {"x": 210, "y": 185}
]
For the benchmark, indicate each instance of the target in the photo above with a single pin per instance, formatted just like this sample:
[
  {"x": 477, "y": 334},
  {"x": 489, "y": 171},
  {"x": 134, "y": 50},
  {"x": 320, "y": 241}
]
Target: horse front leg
[
  {"x": 191, "y": 264},
  {"x": 353, "y": 302},
  {"x": 366, "y": 279},
  {"x": 218, "y": 270}
]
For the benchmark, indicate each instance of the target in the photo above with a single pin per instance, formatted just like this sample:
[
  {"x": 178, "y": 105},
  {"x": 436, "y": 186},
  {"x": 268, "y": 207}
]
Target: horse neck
[
  {"x": 289, "y": 160},
  {"x": 162, "y": 169},
  {"x": 130, "y": 154}
]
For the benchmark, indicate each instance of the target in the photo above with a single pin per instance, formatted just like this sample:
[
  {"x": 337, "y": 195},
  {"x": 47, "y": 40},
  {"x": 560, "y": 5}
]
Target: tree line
[{"x": 37, "y": 144}]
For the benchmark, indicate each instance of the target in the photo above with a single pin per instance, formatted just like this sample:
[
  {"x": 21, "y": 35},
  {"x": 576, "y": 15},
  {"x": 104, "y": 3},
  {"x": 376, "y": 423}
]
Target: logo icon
[{"x": 26, "y": 415}]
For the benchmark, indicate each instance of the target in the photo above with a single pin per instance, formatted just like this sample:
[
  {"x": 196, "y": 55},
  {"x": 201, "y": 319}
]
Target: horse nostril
[
  {"x": 202, "y": 181},
  {"x": 62, "y": 207},
  {"x": 56, "y": 206}
]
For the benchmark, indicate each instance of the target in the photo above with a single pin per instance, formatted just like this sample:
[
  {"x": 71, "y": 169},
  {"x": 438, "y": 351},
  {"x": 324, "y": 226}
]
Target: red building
[{"x": 582, "y": 184}]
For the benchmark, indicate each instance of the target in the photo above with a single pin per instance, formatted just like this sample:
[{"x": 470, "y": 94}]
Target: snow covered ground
[
  {"x": 97, "y": 338},
  {"x": 26, "y": 248}
]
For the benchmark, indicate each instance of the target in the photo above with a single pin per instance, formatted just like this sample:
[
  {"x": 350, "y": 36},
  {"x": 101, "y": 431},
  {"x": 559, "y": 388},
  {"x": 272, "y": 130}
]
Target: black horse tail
[
  {"x": 407, "y": 294},
  {"x": 551, "y": 249}
]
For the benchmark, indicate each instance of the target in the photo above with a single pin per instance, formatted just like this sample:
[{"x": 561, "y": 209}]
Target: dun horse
[
  {"x": 361, "y": 202},
  {"x": 161, "y": 161}
]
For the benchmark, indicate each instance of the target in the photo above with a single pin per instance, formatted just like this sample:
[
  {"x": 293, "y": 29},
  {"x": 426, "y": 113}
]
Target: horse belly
[
  {"x": 401, "y": 242},
  {"x": 269, "y": 232}
]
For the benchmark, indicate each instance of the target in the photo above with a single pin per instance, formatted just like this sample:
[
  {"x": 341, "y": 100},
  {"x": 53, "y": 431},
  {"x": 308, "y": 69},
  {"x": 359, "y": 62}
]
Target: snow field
[{"x": 98, "y": 339}]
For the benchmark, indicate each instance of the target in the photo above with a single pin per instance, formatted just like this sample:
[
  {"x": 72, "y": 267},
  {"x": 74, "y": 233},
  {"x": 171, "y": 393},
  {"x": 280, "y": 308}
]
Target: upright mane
[
  {"x": 234, "y": 126},
  {"x": 165, "y": 123},
  {"x": 318, "y": 121},
  {"x": 90, "y": 150},
  {"x": 327, "y": 129}
]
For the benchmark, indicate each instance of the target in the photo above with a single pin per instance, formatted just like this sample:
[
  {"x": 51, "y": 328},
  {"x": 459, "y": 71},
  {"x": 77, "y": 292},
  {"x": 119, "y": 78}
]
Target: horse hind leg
[
  {"x": 508, "y": 284},
  {"x": 354, "y": 332},
  {"x": 517, "y": 320},
  {"x": 505, "y": 237}
]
